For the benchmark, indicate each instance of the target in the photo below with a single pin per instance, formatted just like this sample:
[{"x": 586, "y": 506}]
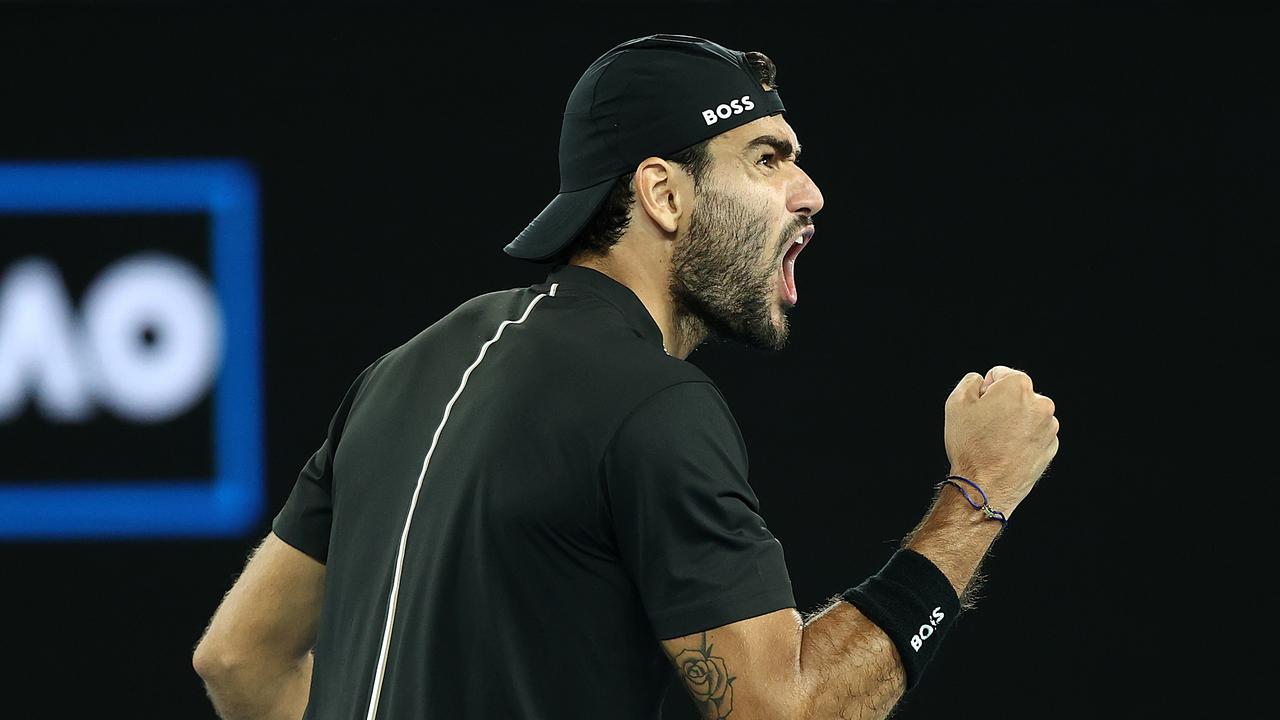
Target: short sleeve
[
  {"x": 304, "y": 521},
  {"x": 687, "y": 523}
]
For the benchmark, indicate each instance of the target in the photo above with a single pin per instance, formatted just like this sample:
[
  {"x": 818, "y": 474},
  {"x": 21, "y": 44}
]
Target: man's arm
[
  {"x": 838, "y": 663},
  {"x": 834, "y": 664},
  {"x": 255, "y": 656}
]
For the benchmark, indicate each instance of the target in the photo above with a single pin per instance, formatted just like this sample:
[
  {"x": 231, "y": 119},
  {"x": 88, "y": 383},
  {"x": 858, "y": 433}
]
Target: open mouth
[{"x": 788, "y": 280}]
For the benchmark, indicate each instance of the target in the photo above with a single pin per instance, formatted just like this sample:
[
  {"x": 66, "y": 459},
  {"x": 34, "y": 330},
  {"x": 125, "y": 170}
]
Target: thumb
[{"x": 993, "y": 375}]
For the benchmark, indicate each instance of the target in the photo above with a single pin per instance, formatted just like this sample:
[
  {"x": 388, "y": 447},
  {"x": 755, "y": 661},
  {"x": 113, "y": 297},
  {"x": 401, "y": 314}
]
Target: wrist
[
  {"x": 973, "y": 494},
  {"x": 954, "y": 537},
  {"x": 990, "y": 486},
  {"x": 953, "y": 512}
]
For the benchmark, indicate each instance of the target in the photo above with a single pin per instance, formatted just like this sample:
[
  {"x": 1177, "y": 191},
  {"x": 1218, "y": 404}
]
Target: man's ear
[{"x": 660, "y": 192}]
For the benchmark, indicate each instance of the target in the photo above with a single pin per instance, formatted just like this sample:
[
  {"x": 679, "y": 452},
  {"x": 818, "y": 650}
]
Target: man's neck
[{"x": 680, "y": 334}]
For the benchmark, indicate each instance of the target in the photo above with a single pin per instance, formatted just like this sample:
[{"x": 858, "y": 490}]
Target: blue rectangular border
[{"x": 231, "y": 502}]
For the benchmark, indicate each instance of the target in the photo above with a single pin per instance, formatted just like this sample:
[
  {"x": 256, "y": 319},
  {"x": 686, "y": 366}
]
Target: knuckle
[{"x": 958, "y": 391}]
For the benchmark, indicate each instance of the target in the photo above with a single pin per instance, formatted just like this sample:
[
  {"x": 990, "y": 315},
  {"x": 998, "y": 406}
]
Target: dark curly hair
[{"x": 606, "y": 227}]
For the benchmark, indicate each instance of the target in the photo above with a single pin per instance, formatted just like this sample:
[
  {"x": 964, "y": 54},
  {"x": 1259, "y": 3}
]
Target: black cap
[{"x": 654, "y": 95}]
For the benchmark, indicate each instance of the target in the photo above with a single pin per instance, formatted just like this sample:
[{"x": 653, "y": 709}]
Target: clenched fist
[{"x": 1001, "y": 434}]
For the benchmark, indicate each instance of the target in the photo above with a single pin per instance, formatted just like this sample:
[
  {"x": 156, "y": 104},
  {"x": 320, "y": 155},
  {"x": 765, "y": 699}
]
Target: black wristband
[{"x": 913, "y": 602}]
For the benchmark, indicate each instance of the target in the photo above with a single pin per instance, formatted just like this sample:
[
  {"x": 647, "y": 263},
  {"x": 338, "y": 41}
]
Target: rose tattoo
[{"x": 707, "y": 680}]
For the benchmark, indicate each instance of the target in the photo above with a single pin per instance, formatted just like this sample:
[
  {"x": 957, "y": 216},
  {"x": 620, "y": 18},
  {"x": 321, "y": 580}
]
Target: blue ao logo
[{"x": 160, "y": 343}]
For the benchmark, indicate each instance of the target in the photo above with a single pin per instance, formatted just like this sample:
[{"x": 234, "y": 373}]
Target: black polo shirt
[{"x": 515, "y": 506}]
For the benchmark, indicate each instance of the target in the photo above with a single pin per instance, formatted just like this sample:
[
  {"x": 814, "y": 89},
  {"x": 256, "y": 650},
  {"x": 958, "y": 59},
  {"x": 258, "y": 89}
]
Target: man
[{"x": 537, "y": 508}]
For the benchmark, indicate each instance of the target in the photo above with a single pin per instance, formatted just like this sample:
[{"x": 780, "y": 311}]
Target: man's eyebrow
[{"x": 782, "y": 145}]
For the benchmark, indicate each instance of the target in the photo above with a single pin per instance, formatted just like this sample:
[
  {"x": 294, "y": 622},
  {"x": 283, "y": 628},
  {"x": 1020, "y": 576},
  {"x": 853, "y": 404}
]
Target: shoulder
[
  {"x": 473, "y": 321},
  {"x": 689, "y": 413}
]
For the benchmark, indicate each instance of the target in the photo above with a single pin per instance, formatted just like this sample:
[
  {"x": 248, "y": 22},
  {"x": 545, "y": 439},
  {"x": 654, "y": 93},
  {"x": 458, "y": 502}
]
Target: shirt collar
[{"x": 579, "y": 278}]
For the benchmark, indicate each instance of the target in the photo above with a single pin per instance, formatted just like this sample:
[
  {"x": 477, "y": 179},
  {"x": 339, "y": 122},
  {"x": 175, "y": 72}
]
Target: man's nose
[{"x": 804, "y": 195}]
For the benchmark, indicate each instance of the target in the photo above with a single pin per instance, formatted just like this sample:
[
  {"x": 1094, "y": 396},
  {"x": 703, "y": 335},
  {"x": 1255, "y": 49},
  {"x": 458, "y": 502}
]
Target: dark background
[{"x": 1075, "y": 190}]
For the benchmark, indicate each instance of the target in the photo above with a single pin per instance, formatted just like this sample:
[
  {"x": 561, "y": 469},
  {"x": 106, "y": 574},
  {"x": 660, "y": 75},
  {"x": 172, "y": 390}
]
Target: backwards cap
[{"x": 652, "y": 96}]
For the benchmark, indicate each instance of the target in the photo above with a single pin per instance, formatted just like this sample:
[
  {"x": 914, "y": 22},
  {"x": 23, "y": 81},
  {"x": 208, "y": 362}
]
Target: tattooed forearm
[{"x": 707, "y": 679}]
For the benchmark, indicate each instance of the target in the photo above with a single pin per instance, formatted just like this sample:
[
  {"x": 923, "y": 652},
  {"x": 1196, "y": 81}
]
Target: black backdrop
[{"x": 1059, "y": 188}]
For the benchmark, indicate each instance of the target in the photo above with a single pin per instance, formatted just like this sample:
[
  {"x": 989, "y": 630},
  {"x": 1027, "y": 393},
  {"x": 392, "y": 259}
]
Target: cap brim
[{"x": 559, "y": 223}]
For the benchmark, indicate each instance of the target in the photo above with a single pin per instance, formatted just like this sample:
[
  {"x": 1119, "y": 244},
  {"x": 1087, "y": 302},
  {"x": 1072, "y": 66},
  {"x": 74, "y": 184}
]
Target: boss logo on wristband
[
  {"x": 935, "y": 617},
  {"x": 898, "y": 597}
]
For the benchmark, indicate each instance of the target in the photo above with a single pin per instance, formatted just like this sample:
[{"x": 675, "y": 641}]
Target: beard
[{"x": 722, "y": 282}]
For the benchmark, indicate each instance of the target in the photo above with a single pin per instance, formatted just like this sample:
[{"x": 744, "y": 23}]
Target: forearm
[
  {"x": 255, "y": 656},
  {"x": 955, "y": 537},
  {"x": 261, "y": 693},
  {"x": 850, "y": 668}
]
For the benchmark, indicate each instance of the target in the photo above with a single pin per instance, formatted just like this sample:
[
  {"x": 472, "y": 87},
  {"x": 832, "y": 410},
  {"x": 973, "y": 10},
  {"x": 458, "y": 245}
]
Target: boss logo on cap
[{"x": 724, "y": 111}]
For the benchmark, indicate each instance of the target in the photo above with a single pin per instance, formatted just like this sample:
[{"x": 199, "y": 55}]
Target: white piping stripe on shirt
[{"x": 379, "y": 672}]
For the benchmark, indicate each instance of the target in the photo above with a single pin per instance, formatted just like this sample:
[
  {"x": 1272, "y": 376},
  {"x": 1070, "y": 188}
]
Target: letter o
[
  {"x": 163, "y": 293},
  {"x": 925, "y": 631},
  {"x": 723, "y": 110}
]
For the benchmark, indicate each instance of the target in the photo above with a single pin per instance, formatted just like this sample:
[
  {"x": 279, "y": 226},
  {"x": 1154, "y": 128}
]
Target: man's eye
[{"x": 765, "y": 158}]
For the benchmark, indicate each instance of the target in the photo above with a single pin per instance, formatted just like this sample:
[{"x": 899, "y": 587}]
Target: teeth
[{"x": 800, "y": 240}]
